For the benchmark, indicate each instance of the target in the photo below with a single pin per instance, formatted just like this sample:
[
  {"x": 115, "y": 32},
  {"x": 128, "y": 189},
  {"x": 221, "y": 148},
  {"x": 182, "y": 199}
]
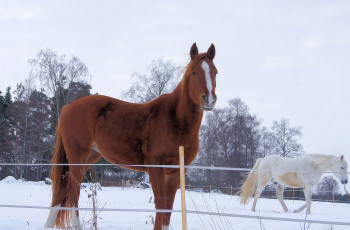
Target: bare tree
[
  {"x": 20, "y": 119},
  {"x": 327, "y": 186},
  {"x": 229, "y": 137},
  {"x": 266, "y": 142},
  {"x": 286, "y": 138},
  {"x": 161, "y": 77},
  {"x": 56, "y": 74}
]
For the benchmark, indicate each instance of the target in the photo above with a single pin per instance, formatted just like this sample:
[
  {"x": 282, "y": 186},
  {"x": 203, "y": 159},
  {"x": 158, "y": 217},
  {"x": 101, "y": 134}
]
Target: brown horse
[{"x": 132, "y": 134}]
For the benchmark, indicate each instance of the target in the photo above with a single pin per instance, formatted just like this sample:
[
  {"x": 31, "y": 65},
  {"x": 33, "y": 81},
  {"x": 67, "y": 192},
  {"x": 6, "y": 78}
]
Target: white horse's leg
[
  {"x": 257, "y": 195},
  {"x": 308, "y": 195},
  {"x": 51, "y": 219},
  {"x": 301, "y": 208},
  {"x": 263, "y": 179},
  {"x": 75, "y": 220},
  {"x": 279, "y": 193}
]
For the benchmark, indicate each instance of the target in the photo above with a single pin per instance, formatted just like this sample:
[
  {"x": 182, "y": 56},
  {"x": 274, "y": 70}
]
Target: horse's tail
[
  {"x": 60, "y": 180},
  {"x": 249, "y": 186}
]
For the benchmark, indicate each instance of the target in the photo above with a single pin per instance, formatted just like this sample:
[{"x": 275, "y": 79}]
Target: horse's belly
[
  {"x": 289, "y": 179},
  {"x": 121, "y": 153}
]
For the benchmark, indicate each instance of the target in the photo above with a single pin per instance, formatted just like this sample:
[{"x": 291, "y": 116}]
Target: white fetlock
[
  {"x": 51, "y": 219},
  {"x": 75, "y": 220},
  {"x": 165, "y": 227}
]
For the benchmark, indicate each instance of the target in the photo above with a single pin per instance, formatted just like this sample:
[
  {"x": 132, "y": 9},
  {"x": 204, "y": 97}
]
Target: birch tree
[{"x": 56, "y": 73}]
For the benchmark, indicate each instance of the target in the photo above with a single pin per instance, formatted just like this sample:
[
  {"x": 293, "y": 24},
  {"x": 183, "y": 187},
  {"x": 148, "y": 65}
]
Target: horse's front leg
[
  {"x": 308, "y": 195},
  {"x": 308, "y": 198},
  {"x": 157, "y": 178},
  {"x": 172, "y": 181}
]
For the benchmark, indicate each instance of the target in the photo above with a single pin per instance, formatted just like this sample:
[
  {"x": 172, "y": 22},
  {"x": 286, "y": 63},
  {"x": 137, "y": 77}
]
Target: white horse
[{"x": 301, "y": 172}]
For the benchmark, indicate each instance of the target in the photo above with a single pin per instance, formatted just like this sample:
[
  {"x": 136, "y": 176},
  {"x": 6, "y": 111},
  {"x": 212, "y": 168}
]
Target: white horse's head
[{"x": 341, "y": 169}]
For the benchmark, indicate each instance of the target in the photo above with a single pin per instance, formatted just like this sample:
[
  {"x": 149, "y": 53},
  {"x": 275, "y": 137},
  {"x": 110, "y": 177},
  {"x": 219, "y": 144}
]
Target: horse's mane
[
  {"x": 320, "y": 158},
  {"x": 190, "y": 66}
]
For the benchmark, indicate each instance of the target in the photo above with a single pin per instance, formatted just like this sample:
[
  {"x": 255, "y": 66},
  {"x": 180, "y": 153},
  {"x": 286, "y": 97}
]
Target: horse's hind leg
[
  {"x": 51, "y": 220},
  {"x": 263, "y": 179},
  {"x": 77, "y": 153},
  {"x": 76, "y": 174},
  {"x": 279, "y": 193},
  {"x": 258, "y": 192}
]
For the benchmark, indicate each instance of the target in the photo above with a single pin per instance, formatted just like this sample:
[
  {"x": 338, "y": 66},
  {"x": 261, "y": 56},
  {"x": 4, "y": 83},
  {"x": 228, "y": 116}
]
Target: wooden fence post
[{"x": 183, "y": 189}]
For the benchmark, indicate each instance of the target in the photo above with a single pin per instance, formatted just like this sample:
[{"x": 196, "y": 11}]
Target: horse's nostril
[
  {"x": 204, "y": 98},
  {"x": 346, "y": 181}
]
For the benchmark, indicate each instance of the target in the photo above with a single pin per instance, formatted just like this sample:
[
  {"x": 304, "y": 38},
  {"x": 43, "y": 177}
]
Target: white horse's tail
[{"x": 249, "y": 186}]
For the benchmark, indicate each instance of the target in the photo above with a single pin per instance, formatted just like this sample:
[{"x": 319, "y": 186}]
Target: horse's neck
[
  {"x": 324, "y": 163},
  {"x": 187, "y": 111}
]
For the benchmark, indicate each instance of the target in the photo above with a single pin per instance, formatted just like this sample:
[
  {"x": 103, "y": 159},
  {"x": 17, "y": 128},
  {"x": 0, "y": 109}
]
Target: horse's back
[
  {"x": 286, "y": 171},
  {"x": 84, "y": 110},
  {"x": 78, "y": 119},
  {"x": 276, "y": 162},
  {"x": 271, "y": 162}
]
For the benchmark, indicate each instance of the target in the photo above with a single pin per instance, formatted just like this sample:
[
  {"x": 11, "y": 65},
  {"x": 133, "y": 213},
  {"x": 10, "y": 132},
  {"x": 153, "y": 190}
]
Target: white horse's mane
[{"x": 320, "y": 158}]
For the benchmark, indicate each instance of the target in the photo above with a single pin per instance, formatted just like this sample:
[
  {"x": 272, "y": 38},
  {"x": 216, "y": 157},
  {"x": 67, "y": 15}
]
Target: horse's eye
[
  {"x": 193, "y": 72},
  {"x": 341, "y": 167}
]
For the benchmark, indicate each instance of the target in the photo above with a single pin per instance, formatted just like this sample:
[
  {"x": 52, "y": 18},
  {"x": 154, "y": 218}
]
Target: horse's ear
[
  {"x": 342, "y": 157},
  {"x": 211, "y": 52},
  {"x": 194, "y": 51}
]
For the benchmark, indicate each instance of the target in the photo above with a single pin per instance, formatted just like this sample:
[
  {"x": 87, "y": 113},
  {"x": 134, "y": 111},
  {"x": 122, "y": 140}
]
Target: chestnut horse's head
[{"x": 202, "y": 77}]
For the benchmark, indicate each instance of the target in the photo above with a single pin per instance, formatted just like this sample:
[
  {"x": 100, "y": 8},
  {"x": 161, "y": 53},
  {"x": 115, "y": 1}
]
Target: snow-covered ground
[{"x": 13, "y": 192}]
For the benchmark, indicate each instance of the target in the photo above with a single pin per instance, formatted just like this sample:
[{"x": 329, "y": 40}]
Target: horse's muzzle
[
  {"x": 206, "y": 105},
  {"x": 207, "y": 108}
]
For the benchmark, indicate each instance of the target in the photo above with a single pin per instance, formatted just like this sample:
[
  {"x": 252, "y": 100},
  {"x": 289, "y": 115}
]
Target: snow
[
  {"x": 13, "y": 192},
  {"x": 9, "y": 179}
]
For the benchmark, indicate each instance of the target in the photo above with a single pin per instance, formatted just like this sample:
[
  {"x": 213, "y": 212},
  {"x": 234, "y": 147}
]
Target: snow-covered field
[{"x": 14, "y": 192}]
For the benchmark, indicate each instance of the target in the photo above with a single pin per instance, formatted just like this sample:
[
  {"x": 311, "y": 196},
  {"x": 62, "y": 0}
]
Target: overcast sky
[{"x": 286, "y": 59}]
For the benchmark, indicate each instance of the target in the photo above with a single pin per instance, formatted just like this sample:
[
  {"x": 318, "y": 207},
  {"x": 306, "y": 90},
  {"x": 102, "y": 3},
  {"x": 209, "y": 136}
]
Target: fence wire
[
  {"x": 179, "y": 211},
  {"x": 166, "y": 210},
  {"x": 159, "y": 166}
]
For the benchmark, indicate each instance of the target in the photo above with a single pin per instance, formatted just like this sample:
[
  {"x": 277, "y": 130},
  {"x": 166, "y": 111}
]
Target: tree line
[
  {"x": 231, "y": 136},
  {"x": 29, "y": 115}
]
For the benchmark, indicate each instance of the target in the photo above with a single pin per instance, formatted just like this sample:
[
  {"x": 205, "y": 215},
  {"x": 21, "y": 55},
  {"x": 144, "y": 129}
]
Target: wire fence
[
  {"x": 159, "y": 166},
  {"x": 189, "y": 188},
  {"x": 179, "y": 211}
]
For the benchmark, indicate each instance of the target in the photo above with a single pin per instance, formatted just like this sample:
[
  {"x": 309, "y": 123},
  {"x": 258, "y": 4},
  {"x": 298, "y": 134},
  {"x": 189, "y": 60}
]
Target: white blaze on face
[{"x": 206, "y": 69}]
